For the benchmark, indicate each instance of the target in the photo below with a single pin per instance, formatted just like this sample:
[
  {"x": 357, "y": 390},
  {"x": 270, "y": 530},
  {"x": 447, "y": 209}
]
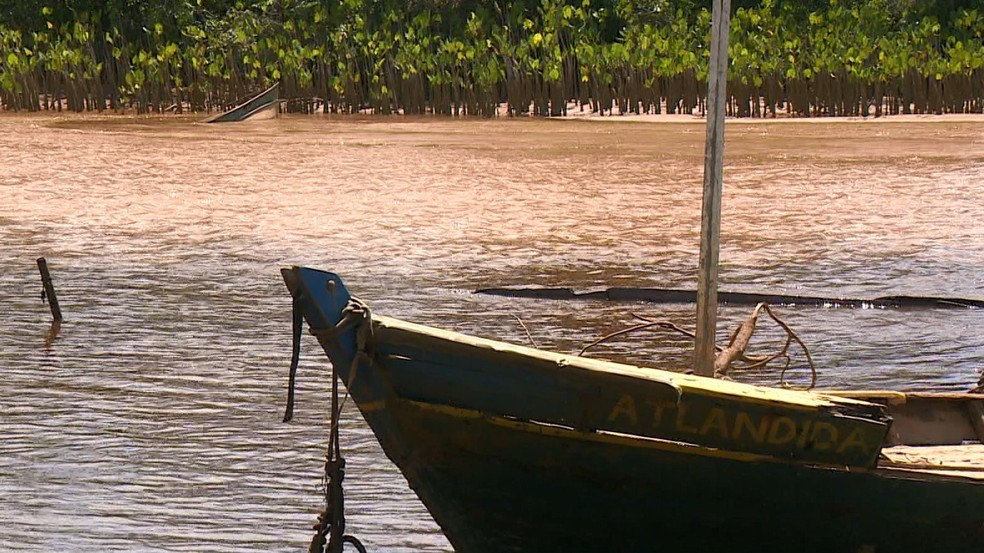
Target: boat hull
[
  {"x": 494, "y": 484},
  {"x": 265, "y": 105},
  {"x": 514, "y": 449}
]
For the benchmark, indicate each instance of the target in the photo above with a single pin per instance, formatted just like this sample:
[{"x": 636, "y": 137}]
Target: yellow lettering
[
  {"x": 625, "y": 407},
  {"x": 657, "y": 407},
  {"x": 782, "y": 431},
  {"x": 854, "y": 439},
  {"x": 806, "y": 431},
  {"x": 716, "y": 421},
  {"x": 681, "y": 422},
  {"x": 744, "y": 421},
  {"x": 822, "y": 442}
]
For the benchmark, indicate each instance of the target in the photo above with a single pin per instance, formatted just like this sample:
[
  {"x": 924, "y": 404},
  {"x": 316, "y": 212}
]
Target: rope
[
  {"x": 790, "y": 335},
  {"x": 356, "y": 314},
  {"x": 330, "y": 534},
  {"x": 642, "y": 326},
  {"x": 295, "y": 355}
]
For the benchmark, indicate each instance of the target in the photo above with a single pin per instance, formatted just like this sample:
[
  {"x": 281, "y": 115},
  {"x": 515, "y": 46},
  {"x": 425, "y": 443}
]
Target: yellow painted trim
[
  {"x": 608, "y": 437},
  {"x": 373, "y": 406},
  {"x": 890, "y": 396}
]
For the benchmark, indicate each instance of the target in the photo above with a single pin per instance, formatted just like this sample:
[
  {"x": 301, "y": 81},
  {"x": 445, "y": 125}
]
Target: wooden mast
[{"x": 710, "y": 221}]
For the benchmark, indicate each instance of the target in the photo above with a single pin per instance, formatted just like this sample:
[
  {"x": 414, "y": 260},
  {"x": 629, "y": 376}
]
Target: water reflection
[{"x": 153, "y": 421}]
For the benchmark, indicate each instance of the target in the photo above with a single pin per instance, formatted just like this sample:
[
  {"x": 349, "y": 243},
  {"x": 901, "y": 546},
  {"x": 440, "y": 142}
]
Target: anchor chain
[{"x": 330, "y": 534}]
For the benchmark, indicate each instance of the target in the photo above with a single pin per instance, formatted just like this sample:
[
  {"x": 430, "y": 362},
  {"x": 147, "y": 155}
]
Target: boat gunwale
[
  {"x": 266, "y": 99},
  {"x": 801, "y": 400}
]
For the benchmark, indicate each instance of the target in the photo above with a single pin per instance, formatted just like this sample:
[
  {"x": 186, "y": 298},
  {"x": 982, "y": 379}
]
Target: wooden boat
[
  {"x": 516, "y": 449},
  {"x": 266, "y": 103}
]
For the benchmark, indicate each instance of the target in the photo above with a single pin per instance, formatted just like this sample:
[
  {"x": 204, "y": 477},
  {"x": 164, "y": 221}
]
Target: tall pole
[{"x": 710, "y": 219}]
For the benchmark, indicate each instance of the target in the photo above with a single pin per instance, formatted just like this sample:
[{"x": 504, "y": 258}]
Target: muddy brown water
[{"x": 152, "y": 422}]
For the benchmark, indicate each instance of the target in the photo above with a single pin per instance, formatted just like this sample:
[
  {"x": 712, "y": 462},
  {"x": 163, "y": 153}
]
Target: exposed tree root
[{"x": 737, "y": 344}]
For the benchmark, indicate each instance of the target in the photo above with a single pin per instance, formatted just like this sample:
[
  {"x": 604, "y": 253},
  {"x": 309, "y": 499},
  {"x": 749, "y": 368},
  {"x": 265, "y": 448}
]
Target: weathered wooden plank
[
  {"x": 921, "y": 418},
  {"x": 902, "y": 397},
  {"x": 975, "y": 413},
  {"x": 964, "y": 461},
  {"x": 401, "y": 333},
  {"x": 502, "y": 382},
  {"x": 515, "y": 392}
]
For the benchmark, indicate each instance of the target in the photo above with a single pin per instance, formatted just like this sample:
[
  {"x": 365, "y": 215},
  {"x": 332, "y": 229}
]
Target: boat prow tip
[{"x": 323, "y": 290}]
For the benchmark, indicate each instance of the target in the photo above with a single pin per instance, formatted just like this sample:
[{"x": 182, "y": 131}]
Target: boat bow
[{"x": 386, "y": 360}]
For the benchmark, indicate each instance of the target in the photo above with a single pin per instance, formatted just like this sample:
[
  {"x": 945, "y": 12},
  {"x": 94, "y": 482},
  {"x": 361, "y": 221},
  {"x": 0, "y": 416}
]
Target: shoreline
[
  {"x": 572, "y": 115},
  {"x": 677, "y": 118}
]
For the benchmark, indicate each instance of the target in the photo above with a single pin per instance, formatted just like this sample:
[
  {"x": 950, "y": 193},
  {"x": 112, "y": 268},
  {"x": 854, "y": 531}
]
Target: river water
[{"x": 152, "y": 421}]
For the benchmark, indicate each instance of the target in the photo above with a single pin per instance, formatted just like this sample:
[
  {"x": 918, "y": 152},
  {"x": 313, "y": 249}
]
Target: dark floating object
[
  {"x": 269, "y": 99},
  {"x": 668, "y": 295}
]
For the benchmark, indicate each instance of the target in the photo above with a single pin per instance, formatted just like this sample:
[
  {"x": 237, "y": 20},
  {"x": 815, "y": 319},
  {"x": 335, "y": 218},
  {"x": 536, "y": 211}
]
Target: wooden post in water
[
  {"x": 49, "y": 290},
  {"x": 710, "y": 219}
]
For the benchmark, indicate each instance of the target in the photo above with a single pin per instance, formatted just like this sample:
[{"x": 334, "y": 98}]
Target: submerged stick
[
  {"x": 528, "y": 335},
  {"x": 49, "y": 290},
  {"x": 52, "y": 334}
]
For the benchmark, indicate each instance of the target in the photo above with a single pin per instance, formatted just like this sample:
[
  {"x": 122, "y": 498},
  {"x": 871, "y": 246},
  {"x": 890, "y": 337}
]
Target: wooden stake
[
  {"x": 710, "y": 221},
  {"x": 49, "y": 290},
  {"x": 52, "y": 334},
  {"x": 975, "y": 410}
]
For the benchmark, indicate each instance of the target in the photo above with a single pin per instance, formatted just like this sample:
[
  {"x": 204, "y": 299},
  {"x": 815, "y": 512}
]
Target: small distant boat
[
  {"x": 264, "y": 104},
  {"x": 517, "y": 449}
]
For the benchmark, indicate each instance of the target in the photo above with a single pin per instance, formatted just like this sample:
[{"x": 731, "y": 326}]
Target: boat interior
[{"x": 936, "y": 433}]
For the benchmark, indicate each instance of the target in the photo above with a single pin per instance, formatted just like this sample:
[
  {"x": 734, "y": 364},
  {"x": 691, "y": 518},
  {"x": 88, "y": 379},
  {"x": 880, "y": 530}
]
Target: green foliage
[{"x": 466, "y": 57}]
